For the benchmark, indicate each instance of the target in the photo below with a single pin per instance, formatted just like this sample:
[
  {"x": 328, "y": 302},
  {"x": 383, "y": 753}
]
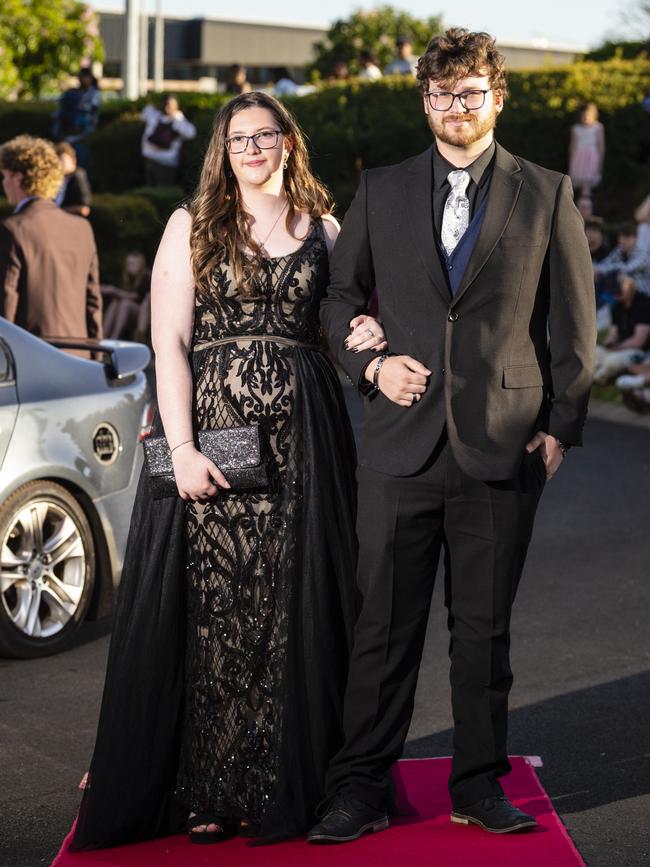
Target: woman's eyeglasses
[{"x": 264, "y": 140}]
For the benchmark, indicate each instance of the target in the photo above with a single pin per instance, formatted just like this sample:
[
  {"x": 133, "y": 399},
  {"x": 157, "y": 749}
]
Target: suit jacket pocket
[{"x": 522, "y": 376}]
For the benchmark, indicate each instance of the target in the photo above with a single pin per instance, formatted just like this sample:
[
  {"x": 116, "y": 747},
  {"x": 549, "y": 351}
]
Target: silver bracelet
[
  {"x": 375, "y": 373},
  {"x": 184, "y": 443}
]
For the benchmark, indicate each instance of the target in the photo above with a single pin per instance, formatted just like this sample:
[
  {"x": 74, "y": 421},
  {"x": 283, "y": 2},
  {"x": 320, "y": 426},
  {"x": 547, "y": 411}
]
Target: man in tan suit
[{"x": 49, "y": 281}]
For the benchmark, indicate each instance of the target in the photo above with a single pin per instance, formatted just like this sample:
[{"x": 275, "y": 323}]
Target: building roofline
[
  {"x": 225, "y": 19},
  {"x": 542, "y": 45}
]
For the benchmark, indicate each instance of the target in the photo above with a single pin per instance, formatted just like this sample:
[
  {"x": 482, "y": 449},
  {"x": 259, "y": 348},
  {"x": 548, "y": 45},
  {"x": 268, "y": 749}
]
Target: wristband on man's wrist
[
  {"x": 564, "y": 447},
  {"x": 375, "y": 373}
]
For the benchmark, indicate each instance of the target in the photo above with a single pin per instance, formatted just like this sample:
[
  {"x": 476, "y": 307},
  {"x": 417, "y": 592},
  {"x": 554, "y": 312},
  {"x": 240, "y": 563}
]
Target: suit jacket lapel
[
  {"x": 501, "y": 199},
  {"x": 419, "y": 205}
]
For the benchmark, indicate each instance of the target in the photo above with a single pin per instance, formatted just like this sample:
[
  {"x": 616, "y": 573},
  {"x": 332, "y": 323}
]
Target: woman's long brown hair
[{"x": 220, "y": 226}]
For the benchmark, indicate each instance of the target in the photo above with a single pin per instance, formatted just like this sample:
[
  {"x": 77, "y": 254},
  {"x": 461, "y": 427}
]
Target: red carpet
[{"x": 425, "y": 840}]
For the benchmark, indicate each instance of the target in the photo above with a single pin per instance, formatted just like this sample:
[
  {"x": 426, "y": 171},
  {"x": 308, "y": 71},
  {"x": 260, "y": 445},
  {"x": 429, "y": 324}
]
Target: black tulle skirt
[{"x": 132, "y": 792}]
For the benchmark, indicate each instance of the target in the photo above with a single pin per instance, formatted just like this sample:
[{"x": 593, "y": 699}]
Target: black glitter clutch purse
[{"x": 237, "y": 451}]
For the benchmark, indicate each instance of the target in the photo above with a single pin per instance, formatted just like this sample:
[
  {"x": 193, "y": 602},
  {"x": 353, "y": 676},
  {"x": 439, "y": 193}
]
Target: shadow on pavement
[{"x": 587, "y": 761}]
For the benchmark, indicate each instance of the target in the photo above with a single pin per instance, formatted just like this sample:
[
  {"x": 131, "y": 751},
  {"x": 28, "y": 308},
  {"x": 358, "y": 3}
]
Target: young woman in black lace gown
[{"x": 232, "y": 629}]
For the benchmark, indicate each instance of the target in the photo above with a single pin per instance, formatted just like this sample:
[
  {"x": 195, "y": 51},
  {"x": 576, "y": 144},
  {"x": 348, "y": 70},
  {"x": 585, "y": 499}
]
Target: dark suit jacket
[
  {"x": 49, "y": 281},
  {"x": 497, "y": 375},
  {"x": 77, "y": 191}
]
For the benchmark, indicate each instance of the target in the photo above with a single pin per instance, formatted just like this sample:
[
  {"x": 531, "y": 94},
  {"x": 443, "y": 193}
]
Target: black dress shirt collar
[{"x": 477, "y": 170}]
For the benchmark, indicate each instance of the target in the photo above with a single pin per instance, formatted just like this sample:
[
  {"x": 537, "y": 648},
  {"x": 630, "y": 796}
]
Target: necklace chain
[{"x": 275, "y": 223}]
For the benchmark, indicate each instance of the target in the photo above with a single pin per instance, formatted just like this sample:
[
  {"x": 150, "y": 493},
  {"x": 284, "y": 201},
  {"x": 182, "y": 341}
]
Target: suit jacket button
[{"x": 453, "y": 316}]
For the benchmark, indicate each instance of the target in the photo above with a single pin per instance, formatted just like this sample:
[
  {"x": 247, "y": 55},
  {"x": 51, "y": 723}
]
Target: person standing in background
[
  {"x": 78, "y": 114},
  {"x": 236, "y": 80},
  {"x": 75, "y": 194},
  {"x": 49, "y": 280},
  {"x": 587, "y": 151},
  {"x": 405, "y": 63},
  {"x": 165, "y": 130}
]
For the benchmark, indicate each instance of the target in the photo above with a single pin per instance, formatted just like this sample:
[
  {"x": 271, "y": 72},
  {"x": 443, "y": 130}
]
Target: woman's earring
[{"x": 286, "y": 160}]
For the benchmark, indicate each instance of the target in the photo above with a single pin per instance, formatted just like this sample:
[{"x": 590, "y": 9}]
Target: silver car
[{"x": 69, "y": 465}]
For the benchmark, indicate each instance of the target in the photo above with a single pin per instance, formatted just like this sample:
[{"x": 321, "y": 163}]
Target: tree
[
  {"x": 43, "y": 42},
  {"x": 625, "y": 50},
  {"x": 635, "y": 19},
  {"x": 375, "y": 30}
]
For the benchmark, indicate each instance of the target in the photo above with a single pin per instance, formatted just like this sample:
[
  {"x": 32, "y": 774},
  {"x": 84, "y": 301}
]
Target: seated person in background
[
  {"x": 596, "y": 238},
  {"x": 637, "y": 376},
  {"x": 599, "y": 249},
  {"x": 284, "y": 83},
  {"x": 626, "y": 258},
  {"x": 165, "y": 130},
  {"x": 635, "y": 385},
  {"x": 405, "y": 63},
  {"x": 585, "y": 206},
  {"x": 75, "y": 194},
  {"x": 340, "y": 71},
  {"x": 642, "y": 216},
  {"x": 128, "y": 309},
  {"x": 629, "y": 335},
  {"x": 369, "y": 70}
]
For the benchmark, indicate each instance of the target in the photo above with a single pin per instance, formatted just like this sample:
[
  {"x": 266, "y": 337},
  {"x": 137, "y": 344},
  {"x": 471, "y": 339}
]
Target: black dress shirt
[{"x": 480, "y": 173}]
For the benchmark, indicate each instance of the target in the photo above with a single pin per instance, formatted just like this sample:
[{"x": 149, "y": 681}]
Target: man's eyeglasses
[
  {"x": 264, "y": 140},
  {"x": 443, "y": 100}
]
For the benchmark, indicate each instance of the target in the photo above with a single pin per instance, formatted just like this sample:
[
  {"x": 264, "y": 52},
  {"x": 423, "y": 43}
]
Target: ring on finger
[{"x": 370, "y": 332}]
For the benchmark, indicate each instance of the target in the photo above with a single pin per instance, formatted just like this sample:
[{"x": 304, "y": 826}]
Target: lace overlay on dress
[{"x": 241, "y": 547}]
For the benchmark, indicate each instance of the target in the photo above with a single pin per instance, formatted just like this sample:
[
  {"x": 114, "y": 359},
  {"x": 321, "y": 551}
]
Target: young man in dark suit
[
  {"x": 75, "y": 195},
  {"x": 485, "y": 288},
  {"x": 49, "y": 281}
]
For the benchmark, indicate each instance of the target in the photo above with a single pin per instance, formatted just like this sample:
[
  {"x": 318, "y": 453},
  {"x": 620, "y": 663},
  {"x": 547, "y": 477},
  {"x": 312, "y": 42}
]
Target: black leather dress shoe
[
  {"x": 495, "y": 814},
  {"x": 347, "y": 819}
]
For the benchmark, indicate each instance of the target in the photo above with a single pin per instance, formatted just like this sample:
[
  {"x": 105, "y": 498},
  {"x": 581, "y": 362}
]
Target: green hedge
[{"x": 361, "y": 125}]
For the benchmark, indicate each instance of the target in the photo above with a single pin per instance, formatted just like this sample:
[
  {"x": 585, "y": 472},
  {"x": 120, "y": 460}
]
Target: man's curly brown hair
[
  {"x": 36, "y": 160},
  {"x": 458, "y": 53}
]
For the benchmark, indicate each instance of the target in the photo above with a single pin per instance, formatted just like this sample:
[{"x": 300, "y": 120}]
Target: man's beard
[{"x": 471, "y": 130}]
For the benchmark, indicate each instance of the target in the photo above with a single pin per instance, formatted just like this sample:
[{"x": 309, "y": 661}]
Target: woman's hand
[
  {"x": 197, "y": 478},
  {"x": 366, "y": 333}
]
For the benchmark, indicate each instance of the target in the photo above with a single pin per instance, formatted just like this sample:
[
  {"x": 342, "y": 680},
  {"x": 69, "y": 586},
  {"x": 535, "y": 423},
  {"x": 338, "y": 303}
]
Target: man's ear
[{"x": 498, "y": 100}]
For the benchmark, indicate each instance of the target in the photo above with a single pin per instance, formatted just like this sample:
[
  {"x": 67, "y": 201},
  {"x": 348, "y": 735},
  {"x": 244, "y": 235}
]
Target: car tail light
[{"x": 147, "y": 421}]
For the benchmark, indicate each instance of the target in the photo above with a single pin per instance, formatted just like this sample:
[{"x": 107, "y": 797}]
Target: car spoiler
[{"x": 121, "y": 358}]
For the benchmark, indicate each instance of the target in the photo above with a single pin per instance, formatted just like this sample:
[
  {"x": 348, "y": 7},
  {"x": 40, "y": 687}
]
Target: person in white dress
[{"x": 587, "y": 151}]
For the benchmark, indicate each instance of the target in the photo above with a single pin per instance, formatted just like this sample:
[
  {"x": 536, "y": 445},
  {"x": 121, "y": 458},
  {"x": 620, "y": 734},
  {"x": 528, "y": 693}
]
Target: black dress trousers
[{"x": 402, "y": 524}]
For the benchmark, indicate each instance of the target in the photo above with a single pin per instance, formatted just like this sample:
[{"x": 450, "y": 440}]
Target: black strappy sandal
[
  {"x": 224, "y": 831},
  {"x": 250, "y": 829}
]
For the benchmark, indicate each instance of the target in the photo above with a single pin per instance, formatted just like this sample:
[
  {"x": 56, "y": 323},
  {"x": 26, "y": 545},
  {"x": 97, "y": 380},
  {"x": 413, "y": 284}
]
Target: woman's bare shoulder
[{"x": 331, "y": 227}]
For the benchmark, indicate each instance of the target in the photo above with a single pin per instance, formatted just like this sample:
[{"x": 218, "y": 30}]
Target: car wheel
[{"x": 47, "y": 569}]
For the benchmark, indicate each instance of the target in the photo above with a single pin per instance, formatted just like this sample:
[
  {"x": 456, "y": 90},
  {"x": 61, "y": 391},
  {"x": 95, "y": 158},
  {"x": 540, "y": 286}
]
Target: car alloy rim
[{"x": 43, "y": 569}]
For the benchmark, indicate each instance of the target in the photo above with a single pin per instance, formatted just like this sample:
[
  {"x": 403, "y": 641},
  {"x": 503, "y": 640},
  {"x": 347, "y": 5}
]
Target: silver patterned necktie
[{"x": 455, "y": 217}]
